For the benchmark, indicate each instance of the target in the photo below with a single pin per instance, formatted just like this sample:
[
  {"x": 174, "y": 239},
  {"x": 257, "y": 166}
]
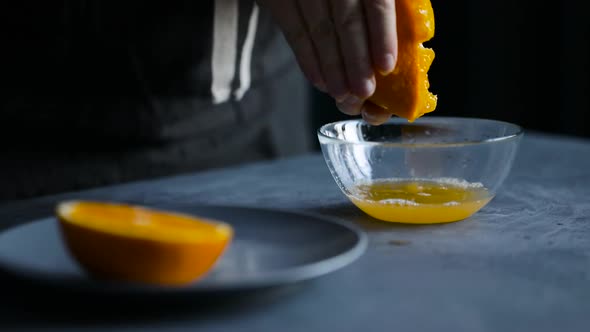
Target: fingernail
[
  {"x": 342, "y": 98},
  {"x": 389, "y": 64},
  {"x": 368, "y": 117},
  {"x": 370, "y": 86},
  {"x": 349, "y": 109},
  {"x": 352, "y": 100},
  {"x": 351, "y": 105},
  {"x": 372, "y": 119}
]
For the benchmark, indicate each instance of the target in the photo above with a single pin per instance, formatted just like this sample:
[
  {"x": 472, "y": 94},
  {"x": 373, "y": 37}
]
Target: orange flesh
[
  {"x": 404, "y": 92},
  {"x": 420, "y": 201},
  {"x": 142, "y": 223},
  {"x": 136, "y": 244}
]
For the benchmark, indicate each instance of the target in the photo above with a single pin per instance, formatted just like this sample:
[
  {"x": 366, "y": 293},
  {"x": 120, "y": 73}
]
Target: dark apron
[{"x": 103, "y": 92}]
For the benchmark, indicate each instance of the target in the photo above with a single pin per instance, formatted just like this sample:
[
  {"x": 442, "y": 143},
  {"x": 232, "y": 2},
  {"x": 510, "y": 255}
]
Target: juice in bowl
[
  {"x": 420, "y": 200},
  {"x": 416, "y": 169},
  {"x": 432, "y": 170}
]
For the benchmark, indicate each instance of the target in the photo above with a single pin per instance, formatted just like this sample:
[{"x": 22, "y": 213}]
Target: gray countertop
[{"x": 520, "y": 264}]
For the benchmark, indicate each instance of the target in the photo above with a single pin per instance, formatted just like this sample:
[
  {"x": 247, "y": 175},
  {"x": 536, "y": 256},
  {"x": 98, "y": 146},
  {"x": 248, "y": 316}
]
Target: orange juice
[{"x": 420, "y": 201}]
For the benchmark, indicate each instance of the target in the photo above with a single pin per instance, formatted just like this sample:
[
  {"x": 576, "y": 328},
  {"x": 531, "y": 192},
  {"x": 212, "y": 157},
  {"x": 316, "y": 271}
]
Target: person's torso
[
  {"x": 135, "y": 71},
  {"x": 100, "y": 92}
]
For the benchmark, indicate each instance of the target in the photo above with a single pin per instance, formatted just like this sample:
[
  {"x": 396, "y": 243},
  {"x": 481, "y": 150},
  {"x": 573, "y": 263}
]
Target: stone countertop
[{"x": 520, "y": 264}]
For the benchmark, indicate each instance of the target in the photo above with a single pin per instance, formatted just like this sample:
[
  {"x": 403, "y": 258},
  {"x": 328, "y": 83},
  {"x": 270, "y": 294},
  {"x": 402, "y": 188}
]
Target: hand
[{"x": 339, "y": 44}]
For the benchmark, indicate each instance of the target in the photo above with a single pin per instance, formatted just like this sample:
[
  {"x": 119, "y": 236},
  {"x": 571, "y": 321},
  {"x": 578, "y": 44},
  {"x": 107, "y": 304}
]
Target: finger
[
  {"x": 289, "y": 19},
  {"x": 374, "y": 114},
  {"x": 350, "y": 23},
  {"x": 381, "y": 19},
  {"x": 318, "y": 19},
  {"x": 352, "y": 105}
]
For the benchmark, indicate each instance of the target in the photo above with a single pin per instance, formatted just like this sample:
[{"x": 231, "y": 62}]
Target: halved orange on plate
[{"x": 138, "y": 244}]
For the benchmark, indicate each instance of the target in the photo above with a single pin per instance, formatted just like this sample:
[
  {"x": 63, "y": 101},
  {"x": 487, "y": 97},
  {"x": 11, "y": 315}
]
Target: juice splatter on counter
[{"x": 420, "y": 201}]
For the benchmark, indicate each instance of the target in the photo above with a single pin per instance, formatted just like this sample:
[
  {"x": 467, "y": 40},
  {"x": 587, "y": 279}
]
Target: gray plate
[{"x": 270, "y": 248}]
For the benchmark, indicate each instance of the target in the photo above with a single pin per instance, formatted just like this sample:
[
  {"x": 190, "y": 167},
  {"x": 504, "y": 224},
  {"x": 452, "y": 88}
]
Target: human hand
[{"x": 339, "y": 45}]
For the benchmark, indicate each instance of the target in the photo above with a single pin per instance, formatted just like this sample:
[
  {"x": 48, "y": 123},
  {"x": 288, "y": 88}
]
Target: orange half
[
  {"x": 138, "y": 244},
  {"x": 404, "y": 92}
]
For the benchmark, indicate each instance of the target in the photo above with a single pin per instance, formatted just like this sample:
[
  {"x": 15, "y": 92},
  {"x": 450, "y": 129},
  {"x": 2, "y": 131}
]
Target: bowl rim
[{"x": 518, "y": 133}]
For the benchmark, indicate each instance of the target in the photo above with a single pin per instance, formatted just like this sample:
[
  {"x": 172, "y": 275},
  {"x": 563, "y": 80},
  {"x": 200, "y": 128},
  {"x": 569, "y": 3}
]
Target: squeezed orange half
[{"x": 404, "y": 92}]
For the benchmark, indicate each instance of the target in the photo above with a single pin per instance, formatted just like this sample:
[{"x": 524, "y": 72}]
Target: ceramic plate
[{"x": 270, "y": 248}]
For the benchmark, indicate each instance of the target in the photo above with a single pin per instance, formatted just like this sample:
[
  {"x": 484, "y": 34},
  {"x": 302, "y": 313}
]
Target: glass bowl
[{"x": 434, "y": 170}]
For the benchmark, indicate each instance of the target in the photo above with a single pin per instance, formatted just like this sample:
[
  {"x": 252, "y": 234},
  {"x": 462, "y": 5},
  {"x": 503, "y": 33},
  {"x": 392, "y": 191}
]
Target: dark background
[{"x": 523, "y": 61}]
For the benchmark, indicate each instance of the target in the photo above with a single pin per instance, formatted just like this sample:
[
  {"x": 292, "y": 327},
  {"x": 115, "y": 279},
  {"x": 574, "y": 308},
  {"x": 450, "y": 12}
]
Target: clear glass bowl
[{"x": 436, "y": 169}]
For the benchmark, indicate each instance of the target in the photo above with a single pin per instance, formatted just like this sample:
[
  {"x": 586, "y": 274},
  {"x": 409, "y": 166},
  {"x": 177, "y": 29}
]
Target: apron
[{"x": 104, "y": 92}]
